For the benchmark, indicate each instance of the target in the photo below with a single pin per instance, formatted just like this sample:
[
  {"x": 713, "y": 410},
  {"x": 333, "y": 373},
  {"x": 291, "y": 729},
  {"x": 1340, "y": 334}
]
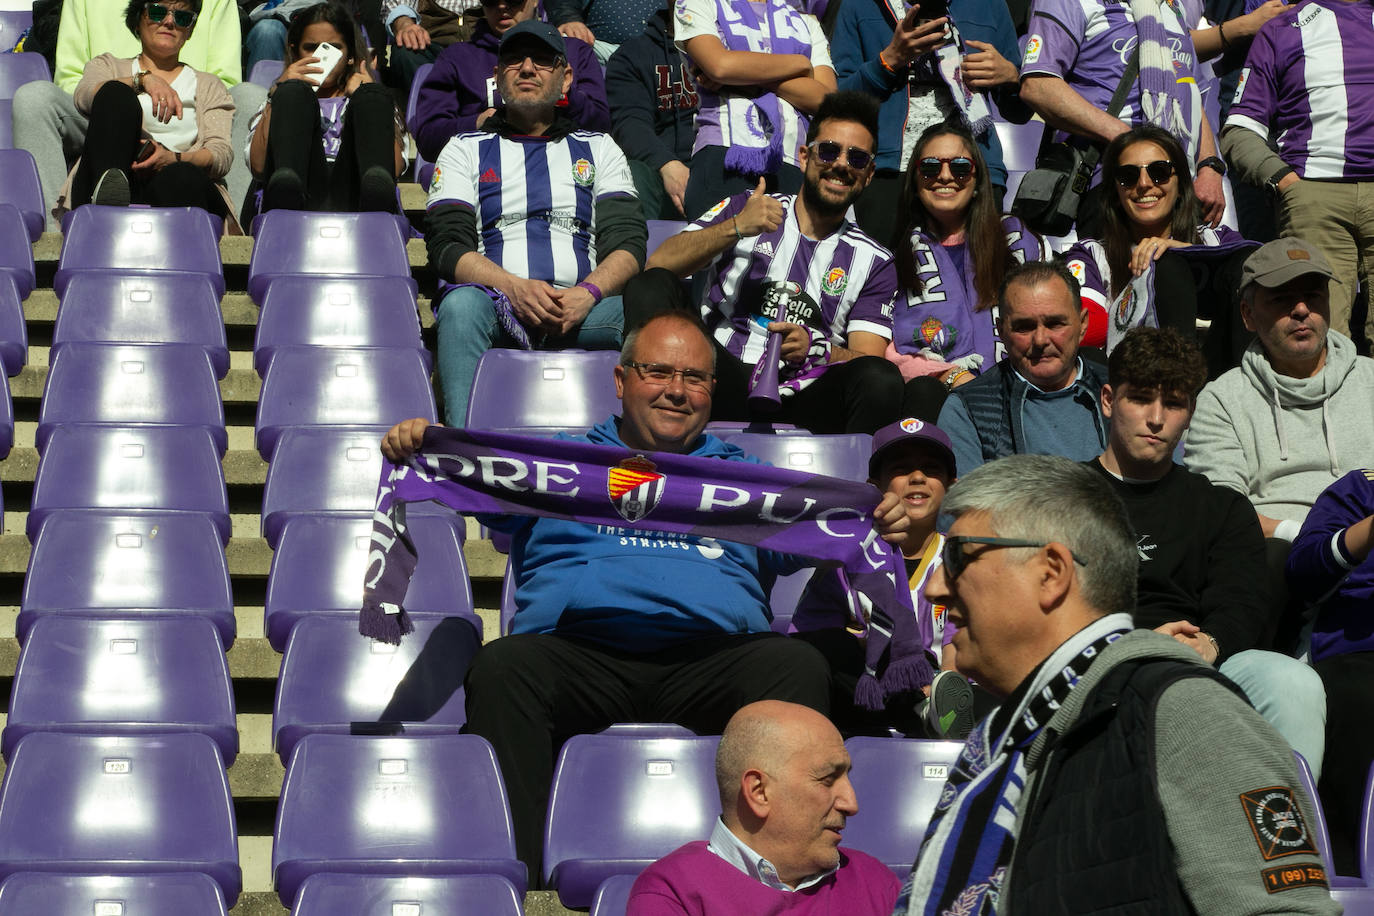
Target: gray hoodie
[{"x": 1281, "y": 440}]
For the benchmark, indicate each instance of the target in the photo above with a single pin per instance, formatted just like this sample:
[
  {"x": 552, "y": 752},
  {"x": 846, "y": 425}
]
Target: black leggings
[{"x": 113, "y": 137}]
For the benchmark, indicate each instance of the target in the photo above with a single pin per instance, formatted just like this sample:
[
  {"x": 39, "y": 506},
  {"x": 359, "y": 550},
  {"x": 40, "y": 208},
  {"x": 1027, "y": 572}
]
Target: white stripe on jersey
[
  {"x": 1324, "y": 75},
  {"x": 515, "y": 255}
]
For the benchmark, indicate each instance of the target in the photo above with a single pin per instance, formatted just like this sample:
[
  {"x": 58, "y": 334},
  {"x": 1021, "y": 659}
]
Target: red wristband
[{"x": 593, "y": 289}]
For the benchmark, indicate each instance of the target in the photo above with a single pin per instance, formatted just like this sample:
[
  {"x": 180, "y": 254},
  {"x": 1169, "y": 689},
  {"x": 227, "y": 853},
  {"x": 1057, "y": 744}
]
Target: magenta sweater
[{"x": 693, "y": 881}]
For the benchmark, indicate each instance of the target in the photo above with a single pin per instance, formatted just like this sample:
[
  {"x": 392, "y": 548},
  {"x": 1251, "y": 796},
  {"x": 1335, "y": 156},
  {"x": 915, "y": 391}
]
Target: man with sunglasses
[
  {"x": 1120, "y": 773},
  {"x": 795, "y": 266},
  {"x": 536, "y": 221}
]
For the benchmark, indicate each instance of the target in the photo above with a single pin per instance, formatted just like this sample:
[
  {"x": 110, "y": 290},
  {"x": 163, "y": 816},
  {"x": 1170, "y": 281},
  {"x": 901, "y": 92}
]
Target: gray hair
[{"x": 1048, "y": 498}]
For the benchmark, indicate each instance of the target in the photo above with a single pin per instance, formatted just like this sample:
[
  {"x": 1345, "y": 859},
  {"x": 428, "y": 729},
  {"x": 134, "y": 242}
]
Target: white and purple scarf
[
  {"x": 809, "y": 515},
  {"x": 972, "y": 103},
  {"x": 1165, "y": 99}
]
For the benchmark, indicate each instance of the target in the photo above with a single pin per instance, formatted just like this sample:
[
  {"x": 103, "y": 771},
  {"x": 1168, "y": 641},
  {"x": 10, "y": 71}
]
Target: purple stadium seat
[
  {"x": 296, "y": 242},
  {"x": 378, "y": 895},
  {"x": 618, "y": 803},
  {"x": 336, "y": 682},
  {"x": 14, "y": 332},
  {"x": 128, "y": 469},
  {"x": 613, "y": 896},
  {"x": 123, "y": 677},
  {"x": 93, "y": 564},
  {"x": 1014, "y": 177},
  {"x": 166, "y": 308},
  {"x": 12, "y": 25},
  {"x": 320, "y": 563},
  {"x": 168, "y": 894},
  {"x": 140, "y": 240},
  {"x": 348, "y": 312},
  {"x": 266, "y": 72},
  {"x": 424, "y": 806},
  {"x": 843, "y": 455},
  {"x": 422, "y": 169},
  {"x": 94, "y": 805},
  {"x": 1020, "y": 143},
  {"x": 6, "y": 418},
  {"x": 16, "y": 251},
  {"x": 131, "y": 385},
  {"x": 552, "y": 389},
  {"x": 660, "y": 230},
  {"x": 15, "y": 71},
  {"x": 20, "y": 186},
  {"x": 902, "y": 779},
  {"x": 326, "y": 386}
]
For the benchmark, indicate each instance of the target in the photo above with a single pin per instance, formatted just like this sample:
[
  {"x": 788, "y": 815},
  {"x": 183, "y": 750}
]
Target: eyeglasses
[
  {"x": 955, "y": 560},
  {"x": 157, "y": 12},
  {"x": 960, "y": 167},
  {"x": 542, "y": 60},
  {"x": 828, "y": 152},
  {"x": 1160, "y": 171},
  {"x": 662, "y": 374}
]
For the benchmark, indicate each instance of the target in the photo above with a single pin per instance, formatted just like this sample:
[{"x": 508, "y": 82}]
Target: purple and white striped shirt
[
  {"x": 849, "y": 280},
  {"x": 1309, "y": 82}
]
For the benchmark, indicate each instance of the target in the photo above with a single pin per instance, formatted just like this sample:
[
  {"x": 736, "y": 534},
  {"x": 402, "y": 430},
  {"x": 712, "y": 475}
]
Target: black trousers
[
  {"x": 295, "y": 142},
  {"x": 861, "y": 395},
  {"x": 710, "y": 181},
  {"x": 113, "y": 137},
  {"x": 1349, "y": 751},
  {"x": 527, "y": 694}
]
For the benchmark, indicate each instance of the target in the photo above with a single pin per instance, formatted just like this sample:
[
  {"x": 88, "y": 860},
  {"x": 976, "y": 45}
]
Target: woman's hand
[
  {"x": 358, "y": 77},
  {"x": 306, "y": 68},
  {"x": 166, "y": 103},
  {"x": 156, "y": 161},
  {"x": 1147, "y": 250}
]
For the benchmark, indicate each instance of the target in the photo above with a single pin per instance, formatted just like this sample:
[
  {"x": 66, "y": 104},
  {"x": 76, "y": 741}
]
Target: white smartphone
[{"x": 328, "y": 57}]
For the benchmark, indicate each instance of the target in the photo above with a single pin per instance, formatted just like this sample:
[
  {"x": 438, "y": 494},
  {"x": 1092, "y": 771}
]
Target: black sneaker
[
  {"x": 949, "y": 714},
  {"x": 112, "y": 190},
  {"x": 284, "y": 191},
  {"x": 377, "y": 190}
]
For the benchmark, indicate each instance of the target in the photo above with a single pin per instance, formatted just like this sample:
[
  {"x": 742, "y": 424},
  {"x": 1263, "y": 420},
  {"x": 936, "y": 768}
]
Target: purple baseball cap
[{"x": 910, "y": 430}]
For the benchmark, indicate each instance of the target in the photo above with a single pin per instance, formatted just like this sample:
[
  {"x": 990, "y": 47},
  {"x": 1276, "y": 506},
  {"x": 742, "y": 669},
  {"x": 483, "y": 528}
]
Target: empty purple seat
[
  {"x": 19, "y": 185},
  {"x": 422, "y": 169},
  {"x": 315, "y": 386},
  {"x": 266, "y": 72},
  {"x": 424, "y": 806},
  {"x": 129, "y": 469},
  {"x": 296, "y": 242},
  {"x": 166, "y": 308},
  {"x": 16, "y": 250},
  {"x": 170, "y": 894},
  {"x": 140, "y": 240},
  {"x": 842, "y": 455},
  {"x": 335, "y": 681},
  {"x": 553, "y": 389},
  {"x": 12, "y": 25},
  {"x": 320, "y": 562},
  {"x": 15, "y": 71},
  {"x": 660, "y": 230},
  {"x": 93, "y": 564},
  {"x": 14, "y": 332},
  {"x": 131, "y": 385},
  {"x": 123, "y": 677},
  {"x": 348, "y": 312},
  {"x": 1020, "y": 144},
  {"x": 618, "y": 803},
  {"x": 902, "y": 780},
  {"x": 379, "y": 895},
  {"x": 613, "y": 896},
  {"x": 81, "y": 804}
]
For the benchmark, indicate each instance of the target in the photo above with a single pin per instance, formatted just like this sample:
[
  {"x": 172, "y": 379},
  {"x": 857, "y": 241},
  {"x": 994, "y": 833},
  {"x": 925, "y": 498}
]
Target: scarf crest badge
[{"x": 635, "y": 487}]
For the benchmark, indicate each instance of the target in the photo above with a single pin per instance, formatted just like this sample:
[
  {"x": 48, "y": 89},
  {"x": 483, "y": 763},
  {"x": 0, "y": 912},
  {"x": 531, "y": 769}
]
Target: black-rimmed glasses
[
  {"x": 828, "y": 152},
  {"x": 157, "y": 12},
  {"x": 662, "y": 374},
  {"x": 954, "y": 560},
  {"x": 1159, "y": 171}
]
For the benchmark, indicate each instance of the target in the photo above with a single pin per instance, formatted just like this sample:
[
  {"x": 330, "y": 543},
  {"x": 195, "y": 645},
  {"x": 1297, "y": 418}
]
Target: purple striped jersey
[
  {"x": 534, "y": 198},
  {"x": 1309, "y": 82},
  {"x": 848, "y": 281}
]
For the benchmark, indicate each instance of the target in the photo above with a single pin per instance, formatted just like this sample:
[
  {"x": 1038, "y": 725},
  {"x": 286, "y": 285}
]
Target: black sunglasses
[
  {"x": 542, "y": 60},
  {"x": 828, "y": 152},
  {"x": 1160, "y": 171},
  {"x": 954, "y": 560},
  {"x": 157, "y": 12},
  {"x": 960, "y": 167}
]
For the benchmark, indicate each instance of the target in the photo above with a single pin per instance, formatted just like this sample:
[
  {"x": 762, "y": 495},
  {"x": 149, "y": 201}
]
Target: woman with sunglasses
[
  {"x": 1156, "y": 261},
  {"x": 158, "y": 131},
  {"x": 952, "y": 248},
  {"x": 329, "y": 140}
]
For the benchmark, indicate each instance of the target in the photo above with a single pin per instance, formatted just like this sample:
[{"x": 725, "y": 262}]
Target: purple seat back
[
  {"x": 1317, "y": 817},
  {"x": 23, "y": 67},
  {"x": 146, "y": 895},
  {"x": 326, "y": 386},
  {"x": 265, "y": 72},
  {"x": 348, "y": 312},
  {"x": 131, "y": 385},
  {"x": 151, "y": 308},
  {"x": 379, "y": 895},
  {"x": 1020, "y": 143},
  {"x": 900, "y": 782},
  {"x": 660, "y": 230},
  {"x": 555, "y": 389},
  {"x": 134, "y": 805},
  {"x": 428, "y": 806},
  {"x": 20, "y": 186},
  {"x": 158, "y": 468},
  {"x": 295, "y": 242},
  {"x": 140, "y": 240},
  {"x": 123, "y": 677},
  {"x": 337, "y": 682},
  {"x": 421, "y": 164},
  {"x": 94, "y": 564},
  {"x": 613, "y": 896},
  {"x": 14, "y": 331},
  {"x": 16, "y": 250},
  {"x": 320, "y": 563},
  {"x": 618, "y": 803},
  {"x": 843, "y": 455},
  {"x": 12, "y": 25}
]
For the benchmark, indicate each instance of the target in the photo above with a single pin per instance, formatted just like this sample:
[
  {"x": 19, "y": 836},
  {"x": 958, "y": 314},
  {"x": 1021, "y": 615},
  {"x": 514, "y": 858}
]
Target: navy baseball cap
[
  {"x": 910, "y": 430},
  {"x": 537, "y": 31}
]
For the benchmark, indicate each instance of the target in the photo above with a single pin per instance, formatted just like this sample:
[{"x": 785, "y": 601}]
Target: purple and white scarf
[
  {"x": 1165, "y": 100},
  {"x": 809, "y": 515},
  {"x": 972, "y": 103}
]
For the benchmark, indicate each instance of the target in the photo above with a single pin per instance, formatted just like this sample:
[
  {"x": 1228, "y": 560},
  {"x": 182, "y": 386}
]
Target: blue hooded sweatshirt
[{"x": 633, "y": 590}]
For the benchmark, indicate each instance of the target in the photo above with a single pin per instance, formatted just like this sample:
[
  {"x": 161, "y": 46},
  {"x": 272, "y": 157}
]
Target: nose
[
  {"x": 937, "y": 586},
  {"x": 1154, "y": 415},
  {"x": 846, "y": 802},
  {"x": 1143, "y": 181}
]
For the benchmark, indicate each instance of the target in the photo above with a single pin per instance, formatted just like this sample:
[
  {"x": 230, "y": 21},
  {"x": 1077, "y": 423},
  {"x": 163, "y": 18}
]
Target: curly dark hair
[
  {"x": 134, "y": 11},
  {"x": 1157, "y": 359},
  {"x": 846, "y": 105}
]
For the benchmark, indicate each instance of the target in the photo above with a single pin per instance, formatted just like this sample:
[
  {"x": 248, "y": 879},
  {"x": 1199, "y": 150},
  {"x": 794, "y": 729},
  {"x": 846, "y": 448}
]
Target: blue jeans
[
  {"x": 266, "y": 40},
  {"x": 1289, "y": 695},
  {"x": 468, "y": 327}
]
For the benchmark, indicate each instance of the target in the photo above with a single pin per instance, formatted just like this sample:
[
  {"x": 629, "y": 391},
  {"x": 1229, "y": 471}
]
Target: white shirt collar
[{"x": 732, "y": 849}]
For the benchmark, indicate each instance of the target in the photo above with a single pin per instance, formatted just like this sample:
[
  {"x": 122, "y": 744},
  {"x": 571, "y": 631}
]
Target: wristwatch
[
  {"x": 1215, "y": 163},
  {"x": 1280, "y": 175},
  {"x": 138, "y": 80}
]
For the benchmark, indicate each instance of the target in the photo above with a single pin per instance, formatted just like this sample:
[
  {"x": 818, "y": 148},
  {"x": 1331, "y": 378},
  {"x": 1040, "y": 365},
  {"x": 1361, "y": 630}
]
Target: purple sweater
[
  {"x": 1318, "y": 563},
  {"x": 462, "y": 86},
  {"x": 693, "y": 881}
]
